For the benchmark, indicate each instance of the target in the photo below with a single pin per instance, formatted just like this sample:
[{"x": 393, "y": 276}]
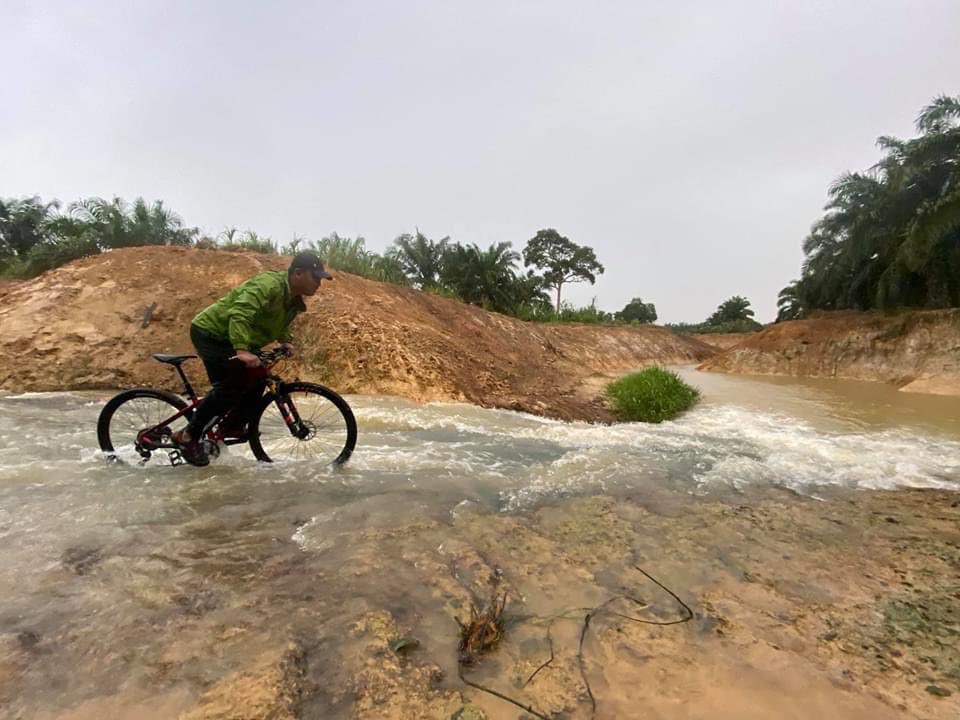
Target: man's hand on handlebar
[{"x": 247, "y": 358}]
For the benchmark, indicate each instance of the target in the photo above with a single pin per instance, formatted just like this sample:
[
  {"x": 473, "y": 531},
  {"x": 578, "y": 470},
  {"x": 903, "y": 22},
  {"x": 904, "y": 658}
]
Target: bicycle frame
[
  {"x": 215, "y": 432},
  {"x": 214, "y": 435}
]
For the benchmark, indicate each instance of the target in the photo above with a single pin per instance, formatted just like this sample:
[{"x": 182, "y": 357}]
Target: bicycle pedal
[{"x": 176, "y": 458}]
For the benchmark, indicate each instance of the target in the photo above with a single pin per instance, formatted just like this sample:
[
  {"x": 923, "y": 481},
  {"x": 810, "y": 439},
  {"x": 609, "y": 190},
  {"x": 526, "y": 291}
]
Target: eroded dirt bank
[
  {"x": 844, "y": 609},
  {"x": 918, "y": 351},
  {"x": 95, "y": 322},
  {"x": 722, "y": 341}
]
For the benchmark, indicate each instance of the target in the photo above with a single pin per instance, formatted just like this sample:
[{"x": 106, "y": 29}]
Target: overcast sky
[{"x": 690, "y": 144}]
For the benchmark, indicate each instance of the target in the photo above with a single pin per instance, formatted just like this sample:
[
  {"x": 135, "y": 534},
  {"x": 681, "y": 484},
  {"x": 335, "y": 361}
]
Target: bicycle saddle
[{"x": 174, "y": 360}]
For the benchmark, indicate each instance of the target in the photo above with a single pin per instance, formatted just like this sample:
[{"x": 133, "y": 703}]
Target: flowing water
[{"x": 101, "y": 563}]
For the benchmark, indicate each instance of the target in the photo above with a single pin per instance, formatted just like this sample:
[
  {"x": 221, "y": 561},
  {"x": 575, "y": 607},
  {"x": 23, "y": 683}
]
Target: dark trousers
[{"x": 230, "y": 380}]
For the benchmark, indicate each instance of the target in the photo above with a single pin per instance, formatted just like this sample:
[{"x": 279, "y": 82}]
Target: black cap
[{"x": 309, "y": 260}]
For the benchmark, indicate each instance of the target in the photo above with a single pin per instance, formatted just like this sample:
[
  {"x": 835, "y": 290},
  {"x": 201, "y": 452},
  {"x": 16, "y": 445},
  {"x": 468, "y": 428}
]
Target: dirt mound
[
  {"x": 95, "y": 322},
  {"x": 918, "y": 351}
]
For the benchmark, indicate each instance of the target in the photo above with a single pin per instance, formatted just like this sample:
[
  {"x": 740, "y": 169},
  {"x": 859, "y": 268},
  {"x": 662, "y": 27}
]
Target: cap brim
[{"x": 321, "y": 275}]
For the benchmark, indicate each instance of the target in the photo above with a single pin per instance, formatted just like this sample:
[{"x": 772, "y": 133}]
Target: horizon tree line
[{"x": 36, "y": 236}]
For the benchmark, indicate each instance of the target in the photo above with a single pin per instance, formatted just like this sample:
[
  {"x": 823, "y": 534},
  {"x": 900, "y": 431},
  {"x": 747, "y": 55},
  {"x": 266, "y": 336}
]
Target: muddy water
[{"x": 240, "y": 590}]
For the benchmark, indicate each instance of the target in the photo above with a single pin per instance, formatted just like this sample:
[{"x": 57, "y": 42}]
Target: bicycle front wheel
[{"x": 304, "y": 421}]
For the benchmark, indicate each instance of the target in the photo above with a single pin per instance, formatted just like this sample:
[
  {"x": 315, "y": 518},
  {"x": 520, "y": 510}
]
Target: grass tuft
[{"x": 651, "y": 395}]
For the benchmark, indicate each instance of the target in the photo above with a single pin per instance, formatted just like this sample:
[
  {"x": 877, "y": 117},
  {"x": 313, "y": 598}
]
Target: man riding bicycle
[{"x": 227, "y": 334}]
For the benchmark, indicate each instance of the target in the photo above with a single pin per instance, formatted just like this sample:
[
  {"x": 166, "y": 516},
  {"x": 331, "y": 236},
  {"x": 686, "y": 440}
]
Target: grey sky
[{"x": 690, "y": 143}]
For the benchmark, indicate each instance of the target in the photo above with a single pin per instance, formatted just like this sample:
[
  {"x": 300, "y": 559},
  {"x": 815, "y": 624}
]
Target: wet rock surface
[{"x": 802, "y": 608}]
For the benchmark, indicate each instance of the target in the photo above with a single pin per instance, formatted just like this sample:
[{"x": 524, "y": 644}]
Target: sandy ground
[{"x": 844, "y": 608}]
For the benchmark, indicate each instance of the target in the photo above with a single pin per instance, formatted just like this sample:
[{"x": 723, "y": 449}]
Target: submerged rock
[
  {"x": 81, "y": 560},
  {"x": 270, "y": 690}
]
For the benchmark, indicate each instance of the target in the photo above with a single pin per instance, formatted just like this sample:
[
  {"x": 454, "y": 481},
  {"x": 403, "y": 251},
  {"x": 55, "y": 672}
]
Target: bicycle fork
[{"x": 292, "y": 418}]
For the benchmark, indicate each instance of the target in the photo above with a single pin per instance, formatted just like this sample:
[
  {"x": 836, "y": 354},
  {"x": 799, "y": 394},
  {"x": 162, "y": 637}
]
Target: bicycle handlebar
[{"x": 269, "y": 357}]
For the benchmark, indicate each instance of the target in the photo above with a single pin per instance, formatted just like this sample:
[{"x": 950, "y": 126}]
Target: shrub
[
  {"x": 734, "y": 326},
  {"x": 651, "y": 395},
  {"x": 568, "y": 313},
  {"x": 48, "y": 255},
  {"x": 264, "y": 246}
]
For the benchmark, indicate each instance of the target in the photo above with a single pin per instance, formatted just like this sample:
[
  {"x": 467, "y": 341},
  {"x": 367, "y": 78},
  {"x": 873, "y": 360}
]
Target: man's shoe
[{"x": 191, "y": 450}]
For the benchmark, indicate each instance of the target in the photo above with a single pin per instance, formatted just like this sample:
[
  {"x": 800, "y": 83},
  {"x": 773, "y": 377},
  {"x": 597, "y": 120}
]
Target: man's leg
[{"x": 227, "y": 378}]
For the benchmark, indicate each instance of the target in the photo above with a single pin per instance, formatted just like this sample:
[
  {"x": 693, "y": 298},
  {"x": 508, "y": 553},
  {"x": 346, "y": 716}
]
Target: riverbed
[{"x": 810, "y": 527}]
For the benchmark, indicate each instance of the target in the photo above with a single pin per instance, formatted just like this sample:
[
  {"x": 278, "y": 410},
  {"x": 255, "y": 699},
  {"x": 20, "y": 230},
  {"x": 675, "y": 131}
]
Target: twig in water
[{"x": 484, "y": 622}]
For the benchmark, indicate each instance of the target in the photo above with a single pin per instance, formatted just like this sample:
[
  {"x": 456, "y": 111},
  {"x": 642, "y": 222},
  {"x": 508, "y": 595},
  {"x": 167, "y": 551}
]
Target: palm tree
[
  {"x": 387, "y": 268},
  {"x": 117, "y": 224},
  {"x": 932, "y": 173},
  {"x": 420, "y": 258},
  {"x": 790, "y": 302},
  {"x": 482, "y": 277},
  {"x": 891, "y": 236},
  {"x": 496, "y": 273},
  {"x": 529, "y": 293},
  {"x": 23, "y": 224},
  {"x": 108, "y": 219},
  {"x": 731, "y": 310}
]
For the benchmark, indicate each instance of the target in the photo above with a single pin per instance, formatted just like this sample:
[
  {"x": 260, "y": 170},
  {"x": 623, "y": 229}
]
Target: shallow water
[{"x": 100, "y": 559}]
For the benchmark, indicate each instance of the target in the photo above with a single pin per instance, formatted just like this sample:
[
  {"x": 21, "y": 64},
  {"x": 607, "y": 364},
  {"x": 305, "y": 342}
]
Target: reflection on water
[
  {"x": 100, "y": 561},
  {"x": 837, "y": 405}
]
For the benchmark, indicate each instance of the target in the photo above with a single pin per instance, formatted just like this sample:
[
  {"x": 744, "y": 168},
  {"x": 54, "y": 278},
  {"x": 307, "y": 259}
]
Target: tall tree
[{"x": 561, "y": 260}]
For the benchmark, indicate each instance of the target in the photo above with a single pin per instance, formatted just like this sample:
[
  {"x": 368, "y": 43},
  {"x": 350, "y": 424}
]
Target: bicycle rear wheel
[
  {"x": 128, "y": 414},
  {"x": 304, "y": 421}
]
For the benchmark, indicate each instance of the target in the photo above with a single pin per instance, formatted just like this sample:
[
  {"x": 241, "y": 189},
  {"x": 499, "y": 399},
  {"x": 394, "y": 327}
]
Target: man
[{"x": 227, "y": 333}]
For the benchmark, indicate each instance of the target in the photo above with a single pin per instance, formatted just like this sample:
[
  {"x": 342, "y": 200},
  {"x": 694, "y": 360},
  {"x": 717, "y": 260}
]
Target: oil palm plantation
[
  {"x": 117, "y": 224},
  {"x": 890, "y": 237}
]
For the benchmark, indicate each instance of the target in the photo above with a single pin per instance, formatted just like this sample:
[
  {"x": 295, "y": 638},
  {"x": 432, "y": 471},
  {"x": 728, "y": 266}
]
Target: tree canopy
[
  {"x": 36, "y": 236},
  {"x": 420, "y": 257},
  {"x": 731, "y": 310},
  {"x": 890, "y": 236},
  {"x": 561, "y": 260},
  {"x": 639, "y": 311}
]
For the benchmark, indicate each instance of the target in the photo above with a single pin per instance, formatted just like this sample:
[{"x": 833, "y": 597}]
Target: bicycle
[{"x": 287, "y": 420}]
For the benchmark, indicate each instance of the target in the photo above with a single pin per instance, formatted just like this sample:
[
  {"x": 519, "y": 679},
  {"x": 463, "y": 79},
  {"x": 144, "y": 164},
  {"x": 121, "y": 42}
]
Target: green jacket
[{"x": 254, "y": 314}]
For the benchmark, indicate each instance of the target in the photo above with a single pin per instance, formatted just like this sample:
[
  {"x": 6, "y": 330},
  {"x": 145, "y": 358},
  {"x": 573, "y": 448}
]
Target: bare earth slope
[
  {"x": 722, "y": 341},
  {"x": 95, "y": 322},
  {"x": 918, "y": 351}
]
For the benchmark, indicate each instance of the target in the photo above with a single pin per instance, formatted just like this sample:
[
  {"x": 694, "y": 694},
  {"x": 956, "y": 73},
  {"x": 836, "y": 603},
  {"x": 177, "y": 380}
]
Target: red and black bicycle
[{"x": 284, "y": 421}]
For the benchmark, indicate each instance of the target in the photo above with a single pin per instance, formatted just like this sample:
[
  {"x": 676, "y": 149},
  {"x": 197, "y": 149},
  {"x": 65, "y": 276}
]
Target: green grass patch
[{"x": 651, "y": 395}]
